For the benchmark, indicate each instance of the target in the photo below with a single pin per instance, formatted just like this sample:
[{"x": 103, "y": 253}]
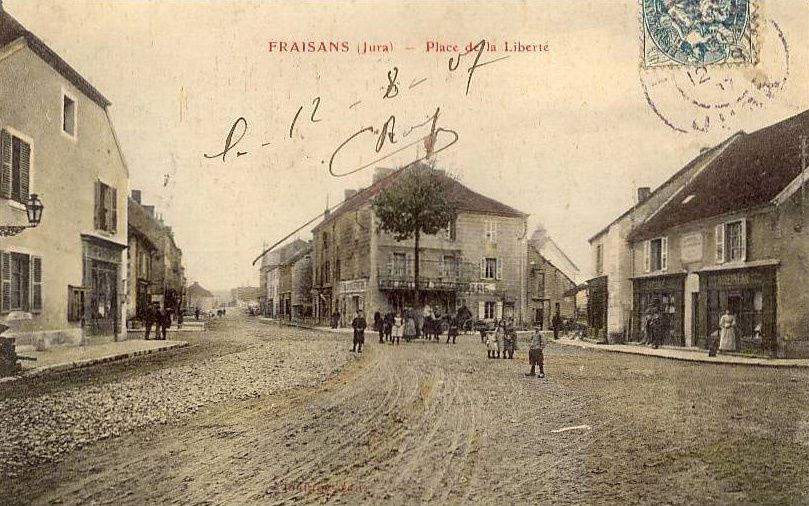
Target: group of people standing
[
  {"x": 503, "y": 339},
  {"x": 160, "y": 319}
]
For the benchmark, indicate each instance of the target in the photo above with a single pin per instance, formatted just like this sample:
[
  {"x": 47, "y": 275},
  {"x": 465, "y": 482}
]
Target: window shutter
[
  {"x": 441, "y": 267},
  {"x": 647, "y": 256},
  {"x": 498, "y": 308},
  {"x": 483, "y": 268},
  {"x": 409, "y": 264},
  {"x": 744, "y": 240},
  {"x": 481, "y": 310},
  {"x": 114, "y": 211},
  {"x": 499, "y": 263},
  {"x": 390, "y": 264},
  {"x": 25, "y": 170},
  {"x": 36, "y": 284},
  {"x": 99, "y": 205},
  {"x": 664, "y": 253},
  {"x": 5, "y": 279},
  {"x": 5, "y": 174},
  {"x": 719, "y": 235}
]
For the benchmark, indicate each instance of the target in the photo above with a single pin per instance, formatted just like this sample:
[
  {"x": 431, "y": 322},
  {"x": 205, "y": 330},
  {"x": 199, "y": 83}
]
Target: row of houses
[
  {"x": 727, "y": 232},
  {"x": 485, "y": 260},
  {"x": 97, "y": 256}
]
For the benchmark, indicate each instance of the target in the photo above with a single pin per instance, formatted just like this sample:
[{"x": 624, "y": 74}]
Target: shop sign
[
  {"x": 354, "y": 286},
  {"x": 480, "y": 288},
  {"x": 691, "y": 248}
]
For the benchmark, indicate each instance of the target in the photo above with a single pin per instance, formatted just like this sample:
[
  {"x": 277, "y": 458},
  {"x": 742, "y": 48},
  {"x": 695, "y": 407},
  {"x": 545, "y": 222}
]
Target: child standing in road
[{"x": 536, "y": 355}]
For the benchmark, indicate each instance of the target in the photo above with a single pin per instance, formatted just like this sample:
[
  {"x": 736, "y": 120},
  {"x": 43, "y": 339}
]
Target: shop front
[
  {"x": 352, "y": 297},
  {"x": 102, "y": 267},
  {"x": 664, "y": 295},
  {"x": 750, "y": 296}
]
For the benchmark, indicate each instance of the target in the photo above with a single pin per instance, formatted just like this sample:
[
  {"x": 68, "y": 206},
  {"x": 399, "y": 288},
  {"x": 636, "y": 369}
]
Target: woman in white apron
[{"x": 727, "y": 332}]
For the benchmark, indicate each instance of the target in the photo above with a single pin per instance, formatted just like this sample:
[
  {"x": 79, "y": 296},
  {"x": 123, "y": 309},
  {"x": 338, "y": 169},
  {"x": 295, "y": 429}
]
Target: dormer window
[{"x": 68, "y": 115}]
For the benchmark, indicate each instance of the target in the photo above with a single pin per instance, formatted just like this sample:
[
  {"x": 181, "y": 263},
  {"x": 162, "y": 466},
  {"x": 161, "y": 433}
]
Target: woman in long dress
[
  {"x": 727, "y": 332},
  {"x": 409, "y": 328}
]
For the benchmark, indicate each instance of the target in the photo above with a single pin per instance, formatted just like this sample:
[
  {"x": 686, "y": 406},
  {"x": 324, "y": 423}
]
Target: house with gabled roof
[
  {"x": 63, "y": 281},
  {"x": 609, "y": 290},
  {"x": 735, "y": 237},
  {"x": 478, "y": 262}
]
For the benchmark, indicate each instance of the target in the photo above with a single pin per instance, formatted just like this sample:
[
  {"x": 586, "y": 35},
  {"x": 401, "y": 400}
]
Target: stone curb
[
  {"x": 704, "y": 359},
  {"x": 78, "y": 364}
]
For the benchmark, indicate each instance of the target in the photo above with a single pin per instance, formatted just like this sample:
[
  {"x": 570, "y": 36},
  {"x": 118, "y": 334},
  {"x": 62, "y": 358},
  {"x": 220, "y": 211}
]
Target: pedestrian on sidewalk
[
  {"x": 165, "y": 322},
  {"x": 196, "y": 314},
  {"x": 359, "y": 324},
  {"x": 557, "y": 324},
  {"x": 727, "y": 332},
  {"x": 150, "y": 319},
  {"x": 536, "y": 355}
]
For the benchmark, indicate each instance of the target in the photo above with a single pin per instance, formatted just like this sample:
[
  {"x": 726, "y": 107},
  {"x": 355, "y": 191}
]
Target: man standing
[
  {"x": 165, "y": 322},
  {"x": 359, "y": 325},
  {"x": 557, "y": 323},
  {"x": 536, "y": 355},
  {"x": 149, "y": 319}
]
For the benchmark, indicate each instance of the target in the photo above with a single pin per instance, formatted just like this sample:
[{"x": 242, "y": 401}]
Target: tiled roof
[
  {"x": 11, "y": 30},
  {"x": 704, "y": 155},
  {"x": 748, "y": 174},
  {"x": 464, "y": 198}
]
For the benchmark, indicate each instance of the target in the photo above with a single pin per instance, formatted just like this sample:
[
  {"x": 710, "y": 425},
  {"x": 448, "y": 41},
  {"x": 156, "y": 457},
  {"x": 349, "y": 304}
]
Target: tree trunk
[{"x": 416, "y": 269}]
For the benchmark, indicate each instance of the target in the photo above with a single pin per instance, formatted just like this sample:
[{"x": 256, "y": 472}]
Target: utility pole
[{"x": 803, "y": 188}]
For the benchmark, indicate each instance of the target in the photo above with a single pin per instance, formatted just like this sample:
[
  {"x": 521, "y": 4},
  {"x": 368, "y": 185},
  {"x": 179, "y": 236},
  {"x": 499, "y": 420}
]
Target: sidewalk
[
  {"x": 72, "y": 357},
  {"x": 686, "y": 354}
]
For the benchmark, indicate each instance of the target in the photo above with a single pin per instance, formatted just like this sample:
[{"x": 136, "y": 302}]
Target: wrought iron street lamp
[{"x": 34, "y": 209}]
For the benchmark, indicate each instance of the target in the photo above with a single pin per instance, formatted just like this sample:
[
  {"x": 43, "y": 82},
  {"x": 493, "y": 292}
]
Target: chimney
[
  {"x": 135, "y": 193},
  {"x": 643, "y": 193},
  {"x": 326, "y": 213},
  {"x": 350, "y": 193},
  {"x": 381, "y": 173}
]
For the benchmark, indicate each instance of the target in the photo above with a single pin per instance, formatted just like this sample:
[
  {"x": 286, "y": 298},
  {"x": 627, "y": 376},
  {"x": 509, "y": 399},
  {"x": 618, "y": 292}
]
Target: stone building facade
[
  {"x": 735, "y": 237},
  {"x": 479, "y": 261},
  {"x": 63, "y": 281}
]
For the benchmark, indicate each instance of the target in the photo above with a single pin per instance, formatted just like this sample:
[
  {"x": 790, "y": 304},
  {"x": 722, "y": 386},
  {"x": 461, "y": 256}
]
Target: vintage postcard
[{"x": 351, "y": 252}]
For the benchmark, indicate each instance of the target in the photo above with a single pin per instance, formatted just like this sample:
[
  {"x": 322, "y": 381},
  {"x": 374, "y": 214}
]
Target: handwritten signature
[{"x": 438, "y": 139}]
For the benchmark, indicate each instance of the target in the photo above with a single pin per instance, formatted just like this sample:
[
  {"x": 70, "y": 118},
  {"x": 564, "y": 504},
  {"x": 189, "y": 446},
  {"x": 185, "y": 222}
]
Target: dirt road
[{"x": 437, "y": 423}]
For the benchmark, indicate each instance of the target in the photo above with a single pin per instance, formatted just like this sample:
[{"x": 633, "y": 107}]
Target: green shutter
[
  {"x": 36, "y": 284},
  {"x": 5, "y": 169},
  {"x": 5, "y": 281},
  {"x": 25, "y": 170}
]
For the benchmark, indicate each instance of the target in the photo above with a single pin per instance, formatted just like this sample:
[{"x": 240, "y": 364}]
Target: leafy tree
[{"x": 415, "y": 204}]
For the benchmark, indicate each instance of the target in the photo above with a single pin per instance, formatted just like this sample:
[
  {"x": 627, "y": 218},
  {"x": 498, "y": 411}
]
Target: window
[
  {"x": 599, "y": 259},
  {"x": 731, "y": 241},
  {"x": 399, "y": 264},
  {"x": 337, "y": 272},
  {"x": 450, "y": 231},
  {"x": 655, "y": 254},
  {"x": 21, "y": 282},
  {"x": 76, "y": 296},
  {"x": 491, "y": 231},
  {"x": 540, "y": 283},
  {"x": 448, "y": 267},
  {"x": 16, "y": 167},
  {"x": 489, "y": 308},
  {"x": 106, "y": 208},
  {"x": 325, "y": 241},
  {"x": 491, "y": 268},
  {"x": 68, "y": 115}
]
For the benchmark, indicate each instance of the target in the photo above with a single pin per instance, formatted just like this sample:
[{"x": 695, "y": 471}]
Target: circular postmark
[
  {"x": 697, "y": 32},
  {"x": 710, "y": 97}
]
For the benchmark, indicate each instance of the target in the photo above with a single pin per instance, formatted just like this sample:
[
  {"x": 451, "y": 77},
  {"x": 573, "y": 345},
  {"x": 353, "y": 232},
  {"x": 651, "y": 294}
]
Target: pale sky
[{"x": 565, "y": 134}]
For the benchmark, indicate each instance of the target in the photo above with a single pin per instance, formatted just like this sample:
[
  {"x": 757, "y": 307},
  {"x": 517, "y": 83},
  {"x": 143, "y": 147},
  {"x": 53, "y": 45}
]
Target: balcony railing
[{"x": 433, "y": 274}]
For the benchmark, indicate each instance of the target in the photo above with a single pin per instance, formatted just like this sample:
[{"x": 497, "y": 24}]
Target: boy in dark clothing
[
  {"x": 536, "y": 355},
  {"x": 150, "y": 319},
  {"x": 165, "y": 322},
  {"x": 358, "y": 324},
  {"x": 387, "y": 326},
  {"x": 453, "y": 329},
  {"x": 557, "y": 325},
  {"x": 379, "y": 327}
]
